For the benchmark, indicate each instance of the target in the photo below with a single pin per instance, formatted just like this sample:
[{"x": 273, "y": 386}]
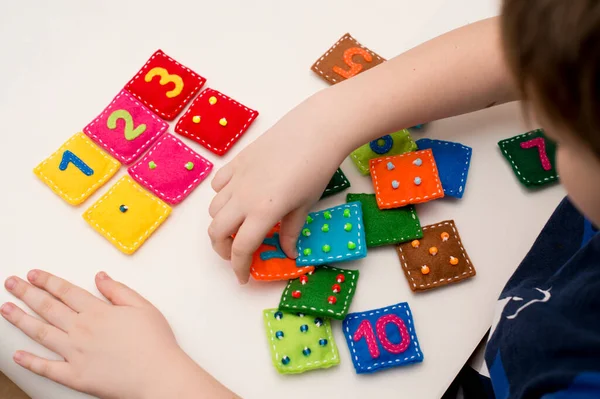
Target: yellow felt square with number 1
[
  {"x": 77, "y": 169},
  {"x": 127, "y": 215}
]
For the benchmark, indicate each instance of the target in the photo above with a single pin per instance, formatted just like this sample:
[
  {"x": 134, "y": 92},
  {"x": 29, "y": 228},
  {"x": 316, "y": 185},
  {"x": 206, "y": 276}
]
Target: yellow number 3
[{"x": 165, "y": 78}]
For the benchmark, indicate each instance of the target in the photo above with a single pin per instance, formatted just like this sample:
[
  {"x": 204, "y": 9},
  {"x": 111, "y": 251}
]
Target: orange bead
[
  {"x": 453, "y": 261},
  {"x": 415, "y": 244},
  {"x": 445, "y": 236},
  {"x": 425, "y": 269},
  {"x": 433, "y": 251}
]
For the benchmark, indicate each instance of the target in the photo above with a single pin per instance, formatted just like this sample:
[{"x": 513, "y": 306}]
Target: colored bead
[
  {"x": 303, "y": 328},
  {"x": 351, "y": 245},
  {"x": 296, "y": 294},
  {"x": 326, "y": 248},
  {"x": 445, "y": 236},
  {"x": 395, "y": 184},
  {"x": 417, "y": 181},
  {"x": 325, "y": 228},
  {"x": 346, "y": 213},
  {"x": 196, "y": 119},
  {"x": 453, "y": 261},
  {"x": 318, "y": 321},
  {"x": 309, "y": 220},
  {"x": 279, "y": 334},
  {"x": 336, "y": 288},
  {"x": 327, "y": 215},
  {"x": 348, "y": 227},
  {"x": 340, "y": 278},
  {"x": 212, "y": 100},
  {"x": 425, "y": 269},
  {"x": 307, "y": 251},
  {"x": 123, "y": 208},
  {"x": 223, "y": 122},
  {"x": 306, "y": 351},
  {"x": 278, "y": 315},
  {"x": 418, "y": 162},
  {"x": 285, "y": 360},
  {"x": 332, "y": 300},
  {"x": 303, "y": 280},
  {"x": 152, "y": 165},
  {"x": 306, "y": 232},
  {"x": 390, "y": 166},
  {"x": 416, "y": 243},
  {"x": 323, "y": 342},
  {"x": 189, "y": 165},
  {"x": 433, "y": 251}
]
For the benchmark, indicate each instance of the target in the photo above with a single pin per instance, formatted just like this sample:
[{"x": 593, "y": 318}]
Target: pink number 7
[
  {"x": 541, "y": 146},
  {"x": 365, "y": 330}
]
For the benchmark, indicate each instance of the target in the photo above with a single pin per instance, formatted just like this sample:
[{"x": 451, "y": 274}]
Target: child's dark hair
[{"x": 553, "y": 49}]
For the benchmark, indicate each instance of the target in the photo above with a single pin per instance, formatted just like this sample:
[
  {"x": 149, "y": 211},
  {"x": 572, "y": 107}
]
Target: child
[{"x": 546, "y": 340}]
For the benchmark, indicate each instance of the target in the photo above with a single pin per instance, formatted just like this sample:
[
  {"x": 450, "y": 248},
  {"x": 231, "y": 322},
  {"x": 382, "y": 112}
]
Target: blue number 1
[
  {"x": 277, "y": 253},
  {"x": 69, "y": 157}
]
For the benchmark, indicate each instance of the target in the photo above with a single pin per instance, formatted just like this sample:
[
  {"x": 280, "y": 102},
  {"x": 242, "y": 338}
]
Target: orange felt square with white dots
[
  {"x": 410, "y": 178},
  {"x": 269, "y": 263}
]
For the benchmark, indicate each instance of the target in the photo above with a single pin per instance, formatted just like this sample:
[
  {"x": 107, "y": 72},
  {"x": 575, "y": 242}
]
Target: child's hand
[{"x": 121, "y": 350}]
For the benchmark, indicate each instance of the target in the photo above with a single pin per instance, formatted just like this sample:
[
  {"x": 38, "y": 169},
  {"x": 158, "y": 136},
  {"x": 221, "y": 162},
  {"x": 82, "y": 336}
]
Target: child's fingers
[
  {"x": 225, "y": 223},
  {"x": 247, "y": 240},
  {"x": 41, "y": 332},
  {"x": 42, "y": 303},
  {"x": 222, "y": 177},
  {"x": 118, "y": 293},
  {"x": 57, "y": 371},
  {"x": 71, "y": 295},
  {"x": 291, "y": 225},
  {"x": 219, "y": 201}
]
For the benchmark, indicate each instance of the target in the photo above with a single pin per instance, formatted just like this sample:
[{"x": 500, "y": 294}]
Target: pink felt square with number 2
[
  {"x": 126, "y": 128},
  {"x": 171, "y": 170}
]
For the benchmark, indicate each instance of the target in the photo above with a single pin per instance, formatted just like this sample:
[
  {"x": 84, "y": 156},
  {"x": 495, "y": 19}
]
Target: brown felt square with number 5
[
  {"x": 437, "y": 259},
  {"x": 345, "y": 59}
]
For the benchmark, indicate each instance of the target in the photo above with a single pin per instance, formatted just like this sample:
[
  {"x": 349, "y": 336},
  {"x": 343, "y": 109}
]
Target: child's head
[{"x": 553, "y": 49}]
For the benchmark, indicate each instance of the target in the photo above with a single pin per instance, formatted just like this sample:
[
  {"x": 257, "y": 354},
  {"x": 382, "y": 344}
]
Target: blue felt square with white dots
[
  {"x": 453, "y": 161},
  {"x": 382, "y": 338},
  {"x": 332, "y": 235}
]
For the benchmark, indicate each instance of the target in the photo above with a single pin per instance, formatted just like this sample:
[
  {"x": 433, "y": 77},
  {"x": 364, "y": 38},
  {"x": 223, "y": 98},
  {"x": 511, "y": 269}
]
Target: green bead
[
  {"x": 189, "y": 165},
  {"x": 309, "y": 220},
  {"x": 346, "y": 213},
  {"x": 326, "y": 248},
  {"x": 327, "y": 215},
  {"x": 348, "y": 227},
  {"x": 325, "y": 228},
  {"x": 152, "y": 165},
  {"x": 306, "y": 232},
  {"x": 307, "y": 252},
  {"x": 351, "y": 245}
]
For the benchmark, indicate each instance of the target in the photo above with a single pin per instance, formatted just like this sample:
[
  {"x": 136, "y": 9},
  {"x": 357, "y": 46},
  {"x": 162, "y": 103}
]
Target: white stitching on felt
[
  {"x": 199, "y": 84},
  {"x": 466, "y": 166},
  {"x": 331, "y": 257},
  {"x": 220, "y": 151},
  {"x": 383, "y": 310},
  {"x": 463, "y": 275},
  {"x": 109, "y": 172},
  {"x": 305, "y": 366},
  {"x": 406, "y": 201},
  {"x": 146, "y": 233},
  {"x": 143, "y": 147},
  {"x": 206, "y": 163},
  {"x": 347, "y": 36},
  {"x": 300, "y": 272},
  {"x": 503, "y": 144},
  {"x": 360, "y": 162},
  {"x": 344, "y": 182},
  {"x": 285, "y": 296}
]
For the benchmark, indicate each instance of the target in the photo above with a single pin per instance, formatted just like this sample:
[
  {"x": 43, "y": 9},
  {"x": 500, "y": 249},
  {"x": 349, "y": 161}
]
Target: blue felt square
[
  {"x": 453, "y": 160},
  {"x": 382, "y": 338},
  {"x": 332, "y": 235}
]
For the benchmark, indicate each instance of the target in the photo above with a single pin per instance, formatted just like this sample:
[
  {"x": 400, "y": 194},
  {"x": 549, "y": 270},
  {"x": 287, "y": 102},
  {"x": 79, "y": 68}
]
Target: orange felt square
[
  {"x": 269, "y": 263},
  {"x": 410, "y": 178}
]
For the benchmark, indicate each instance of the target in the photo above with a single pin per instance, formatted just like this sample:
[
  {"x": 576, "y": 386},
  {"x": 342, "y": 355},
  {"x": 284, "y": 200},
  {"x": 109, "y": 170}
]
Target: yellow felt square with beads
[
  {"x": 127, "y": 215},
  {"x": 77, "y": 169}
]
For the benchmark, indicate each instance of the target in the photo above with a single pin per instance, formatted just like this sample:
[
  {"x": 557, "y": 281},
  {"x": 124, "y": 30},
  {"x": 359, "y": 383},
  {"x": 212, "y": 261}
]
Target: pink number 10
[{"x": 365, "y": 330}]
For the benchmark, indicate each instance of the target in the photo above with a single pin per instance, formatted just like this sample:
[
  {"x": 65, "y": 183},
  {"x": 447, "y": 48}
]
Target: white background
[{"x": 63, "y": 61}]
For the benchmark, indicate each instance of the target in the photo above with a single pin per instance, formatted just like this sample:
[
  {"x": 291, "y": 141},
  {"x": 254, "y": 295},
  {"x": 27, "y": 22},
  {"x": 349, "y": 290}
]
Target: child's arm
[
  {"x": 124, "y": 349},
  {"x": 283, "y": 173}
]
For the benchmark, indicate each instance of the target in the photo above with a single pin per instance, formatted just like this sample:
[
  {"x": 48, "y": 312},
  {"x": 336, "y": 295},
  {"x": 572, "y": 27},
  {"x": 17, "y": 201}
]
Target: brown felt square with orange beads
[
  {"x": 437, "y": 259},
  {"x": 345, "y": 59}
]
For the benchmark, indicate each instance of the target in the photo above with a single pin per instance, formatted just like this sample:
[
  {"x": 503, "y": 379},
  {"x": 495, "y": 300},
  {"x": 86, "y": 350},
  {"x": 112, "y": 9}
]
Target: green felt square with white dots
[{"x": 299, "y": 342}]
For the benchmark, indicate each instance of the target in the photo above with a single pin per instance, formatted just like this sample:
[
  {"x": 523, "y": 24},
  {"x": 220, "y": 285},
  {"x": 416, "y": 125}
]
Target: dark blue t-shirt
[{"x": 545, "y": 340}]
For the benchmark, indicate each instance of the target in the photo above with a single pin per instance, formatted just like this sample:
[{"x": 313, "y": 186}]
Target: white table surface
[{"x": 63, "y": 61}]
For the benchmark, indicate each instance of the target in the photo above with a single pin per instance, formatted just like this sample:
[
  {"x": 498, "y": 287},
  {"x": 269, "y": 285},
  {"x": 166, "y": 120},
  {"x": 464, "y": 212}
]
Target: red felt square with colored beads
[
  {"x": 215, "y": 121},
  {"x": 164, "y": 85}
]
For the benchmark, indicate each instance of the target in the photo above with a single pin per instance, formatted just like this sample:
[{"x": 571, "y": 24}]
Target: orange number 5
[{"x": 354, "y": 67}]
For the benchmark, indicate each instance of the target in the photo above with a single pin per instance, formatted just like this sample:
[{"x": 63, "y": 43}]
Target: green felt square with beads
[
  {"x": 299, "y": 342},
  {"x": 328, "y": 291},
  {"x": 392, "y": 144},
  {"x": 339, "y": 182},
  {"x": 387, "y": 226}
]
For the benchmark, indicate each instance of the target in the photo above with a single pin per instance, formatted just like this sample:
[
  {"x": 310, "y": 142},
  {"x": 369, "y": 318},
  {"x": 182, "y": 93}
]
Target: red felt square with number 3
[
  {"x": 164, "y": 85},
  {"x": 215, "y": 121}
]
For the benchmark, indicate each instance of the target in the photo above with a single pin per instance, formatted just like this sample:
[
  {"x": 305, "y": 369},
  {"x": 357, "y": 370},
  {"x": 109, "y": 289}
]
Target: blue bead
[
  {"x": 306, "y": 351},
  {"x": 278, "y": 315},
  {"x": 318, "y": 321},
  {"x": 303, "y": 328},
  {"x": 285, "y": 360},
  {"x": 123, "y": 208},
  {"x": 279, "y": 334},
  {"x": 323, "y": 342}
]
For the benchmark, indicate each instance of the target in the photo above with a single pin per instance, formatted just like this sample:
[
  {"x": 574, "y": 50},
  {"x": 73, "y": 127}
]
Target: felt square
[
  {"x": 437, "y": 259},
  {"x": 327, "y": 291},
  {"x": 387, "y": 226},
  {"x": 382, "y": 338},
  {"x": 215, "y": 121},
  {"x": 532, "y": 157},
  {"x": 391, "y": 144},
  {"x": 299, "y": 342},
  {"x": 346, "y": 58},
  {"x": 338, "y": 183},
  {"x": 269, "y": 262},
  {"x": 127, "y": 215},
  {"x": 77, "y": 169},
  {"x": 164, "y": 85},
  {"x": 332, "y": 235},
  {"x": 453, "y": 161},
  {"x": 410, "y": 178},
  {"x": 126, "y": 128},
  {"x": 171, "y": 169}
]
